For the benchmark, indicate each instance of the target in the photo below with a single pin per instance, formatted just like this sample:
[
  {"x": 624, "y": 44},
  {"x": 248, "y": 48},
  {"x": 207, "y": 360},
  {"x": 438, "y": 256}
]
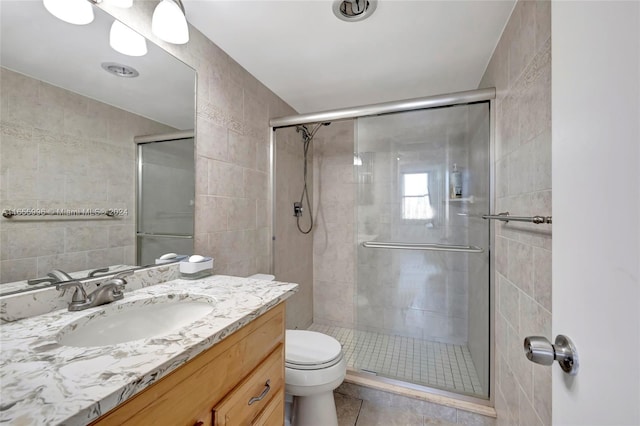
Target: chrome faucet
[
  {"x": 97, "y": 272},
  {"x": 53, "y": 277},
  {"x": 109, "y": 291},
  {"x": 60, "y": 275}
]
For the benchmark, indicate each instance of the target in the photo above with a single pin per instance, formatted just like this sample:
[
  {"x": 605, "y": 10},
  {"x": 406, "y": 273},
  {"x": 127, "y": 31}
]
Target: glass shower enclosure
[
  {"x": 166, "y": 193},
  {"x": 422, "y": 290},
  {"x": 401, "y": 255}
]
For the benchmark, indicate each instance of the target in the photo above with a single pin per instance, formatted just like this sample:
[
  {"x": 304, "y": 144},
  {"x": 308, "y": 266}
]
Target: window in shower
[{"x": 416, "y": 203}]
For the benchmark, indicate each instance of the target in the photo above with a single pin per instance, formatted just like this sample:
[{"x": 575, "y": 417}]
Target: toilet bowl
[{"x": 314, "y": 367}]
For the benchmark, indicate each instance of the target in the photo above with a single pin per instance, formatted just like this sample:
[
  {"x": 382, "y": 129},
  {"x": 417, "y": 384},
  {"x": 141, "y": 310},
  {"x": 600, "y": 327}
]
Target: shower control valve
[{"x": 297, "y": 209}]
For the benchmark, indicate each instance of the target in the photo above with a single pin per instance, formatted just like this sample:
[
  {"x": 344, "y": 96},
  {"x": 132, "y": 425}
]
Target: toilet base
[{"x": 315, "y": 410}]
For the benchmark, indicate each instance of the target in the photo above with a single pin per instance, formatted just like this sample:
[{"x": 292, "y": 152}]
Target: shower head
[{"x": 306, "y": 135}]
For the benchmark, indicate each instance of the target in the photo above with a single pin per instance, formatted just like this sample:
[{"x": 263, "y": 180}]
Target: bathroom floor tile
[
  {"x": 375, "y": 415},
  {"x": 348, "y": 409},
  {"x": 423, "y": 362}
]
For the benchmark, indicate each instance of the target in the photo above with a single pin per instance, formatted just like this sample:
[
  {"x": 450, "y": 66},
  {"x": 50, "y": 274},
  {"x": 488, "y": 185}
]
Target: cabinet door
[
  {"x": 273, "y": 413},
  {"x": 249, "y": 399}
]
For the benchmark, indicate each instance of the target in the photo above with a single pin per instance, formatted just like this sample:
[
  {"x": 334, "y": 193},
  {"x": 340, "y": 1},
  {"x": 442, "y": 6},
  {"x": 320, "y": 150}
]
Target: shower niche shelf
[{"x": 470, "y": 199}]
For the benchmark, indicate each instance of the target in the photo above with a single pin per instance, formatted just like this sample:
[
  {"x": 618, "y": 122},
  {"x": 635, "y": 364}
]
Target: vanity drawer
[
  {"x": 273, "y": 413},
  {"x": 249, "y": 399},
  {"x": 187, "y": 395}
]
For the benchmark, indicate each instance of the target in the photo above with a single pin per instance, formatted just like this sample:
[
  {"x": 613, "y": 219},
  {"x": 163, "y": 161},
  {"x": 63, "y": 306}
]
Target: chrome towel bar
[
  {"x": 38, "y": 213},
  {"x": 506, "y": 217},
  {"x": 422, "y": 246}
]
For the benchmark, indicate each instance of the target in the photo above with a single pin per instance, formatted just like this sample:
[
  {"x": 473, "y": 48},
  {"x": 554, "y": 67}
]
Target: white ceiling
[
  {"x": 315, "y": 62},
  {"x": 35, "y": 43}
]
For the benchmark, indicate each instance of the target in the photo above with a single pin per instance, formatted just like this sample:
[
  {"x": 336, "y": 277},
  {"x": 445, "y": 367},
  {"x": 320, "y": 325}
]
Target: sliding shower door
[
  {"x": 166, "y": 193},
  {"x": 422, "y": 292}
]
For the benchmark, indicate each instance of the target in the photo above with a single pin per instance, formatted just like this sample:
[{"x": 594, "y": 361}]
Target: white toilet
[{"x": 314, "y": 367}]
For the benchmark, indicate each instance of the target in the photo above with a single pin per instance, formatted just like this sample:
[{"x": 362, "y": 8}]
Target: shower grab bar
[
  {"x": 422, "y": 246},
  {"x": 146, "y": 234},
  {"x": 506, "y": 217}
]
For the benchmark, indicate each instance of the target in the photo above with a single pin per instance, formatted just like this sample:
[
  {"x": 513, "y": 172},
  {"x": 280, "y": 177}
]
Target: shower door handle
[{"x": 422, "y": 246}]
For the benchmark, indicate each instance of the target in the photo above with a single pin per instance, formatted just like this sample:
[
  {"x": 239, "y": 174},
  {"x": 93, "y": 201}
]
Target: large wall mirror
[{"x": 69, "y": 160}]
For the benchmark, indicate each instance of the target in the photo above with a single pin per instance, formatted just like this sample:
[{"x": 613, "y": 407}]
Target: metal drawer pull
[{"x": 267, "y": 388}]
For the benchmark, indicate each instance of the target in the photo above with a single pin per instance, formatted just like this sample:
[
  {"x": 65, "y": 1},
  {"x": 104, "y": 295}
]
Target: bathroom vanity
[
  {"x": 224, "y": 368},
  {"x": 225, "y": 385}
]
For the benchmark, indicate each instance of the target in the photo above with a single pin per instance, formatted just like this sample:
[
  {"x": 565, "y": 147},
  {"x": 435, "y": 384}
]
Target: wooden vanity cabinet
[{"x": 215, "y": 388}]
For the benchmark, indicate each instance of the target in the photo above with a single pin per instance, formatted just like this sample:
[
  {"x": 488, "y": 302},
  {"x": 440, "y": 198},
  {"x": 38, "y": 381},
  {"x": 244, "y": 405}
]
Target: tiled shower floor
[{"x": 422, "y": 362}]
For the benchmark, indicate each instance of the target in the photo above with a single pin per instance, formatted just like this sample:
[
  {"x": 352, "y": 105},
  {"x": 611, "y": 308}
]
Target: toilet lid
[{"x": 309, "y": 348}]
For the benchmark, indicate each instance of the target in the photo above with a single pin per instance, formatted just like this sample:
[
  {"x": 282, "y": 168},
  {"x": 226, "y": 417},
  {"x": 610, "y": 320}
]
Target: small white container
[
  {"x": 170, "y": 258},
  {"x": 196, "y": 267}
]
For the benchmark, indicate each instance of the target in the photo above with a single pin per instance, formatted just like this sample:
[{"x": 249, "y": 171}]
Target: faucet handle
[{"x": 118, "y": 279}]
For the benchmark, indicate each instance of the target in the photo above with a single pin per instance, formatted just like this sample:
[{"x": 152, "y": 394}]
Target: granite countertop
[{"x": 45, "y": 383}]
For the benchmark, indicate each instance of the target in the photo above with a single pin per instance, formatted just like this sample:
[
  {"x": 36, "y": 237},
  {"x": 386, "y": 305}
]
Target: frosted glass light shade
[
  {"x": 124, "y": 4},
  {"x": 126, "y": 41},
  {"x": 169, "y": 23},
  {"x": 78, "y": 12}
]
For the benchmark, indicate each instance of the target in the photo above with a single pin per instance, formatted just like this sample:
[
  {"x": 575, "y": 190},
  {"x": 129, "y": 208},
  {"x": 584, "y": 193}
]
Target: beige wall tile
[
  {"x": 256, "y": 184},
  {"x": 83, "y": 238},
  {"x": 242, "y": 150},
  {"x": 542, "y": 277},
  {"x": 18, "y": 269},
  {"x": 225, "y": 179},
  {"x": 66, "y": 262},
  {"x": 211, "y": 140},
  {"x": 520, "y": 270},
  {"x": 523, "y": 147}
]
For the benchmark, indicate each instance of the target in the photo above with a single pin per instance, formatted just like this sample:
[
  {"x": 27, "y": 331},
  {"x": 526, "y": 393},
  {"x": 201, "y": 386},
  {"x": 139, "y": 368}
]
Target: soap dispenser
[{"x": 456, "y": 182}]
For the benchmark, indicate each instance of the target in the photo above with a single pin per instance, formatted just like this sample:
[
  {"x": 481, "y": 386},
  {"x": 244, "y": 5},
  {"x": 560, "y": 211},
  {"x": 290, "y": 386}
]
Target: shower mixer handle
[{"x": 297, "y": 209}]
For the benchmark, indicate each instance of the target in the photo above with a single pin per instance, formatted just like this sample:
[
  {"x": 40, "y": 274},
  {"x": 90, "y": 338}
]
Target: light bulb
[
  {"x": 78, "y": 12},
  {"x": 169, "y": 23},
  {"x": 126, "y": 41}
]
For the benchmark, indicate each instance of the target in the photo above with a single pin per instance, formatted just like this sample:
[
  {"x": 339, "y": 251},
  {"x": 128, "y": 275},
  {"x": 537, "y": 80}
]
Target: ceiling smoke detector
[
  {"x": 120, "y": 70},
  {"x": 354, "y": 10}
]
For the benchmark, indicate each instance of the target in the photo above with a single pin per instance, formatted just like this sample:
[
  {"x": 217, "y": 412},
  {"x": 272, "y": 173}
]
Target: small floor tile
[{"x": 408, "y": 359}]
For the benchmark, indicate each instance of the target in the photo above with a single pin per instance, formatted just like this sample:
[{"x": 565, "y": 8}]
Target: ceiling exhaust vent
[
  {"x": 120, "y": 70},
  {"x": 354, "y": 10}
]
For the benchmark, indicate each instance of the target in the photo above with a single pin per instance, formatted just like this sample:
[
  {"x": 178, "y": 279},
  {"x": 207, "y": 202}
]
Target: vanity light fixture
[
  {"x": 123, "y": 4},
  {"x": 169, "y": 22},
  {"x": 126, "y": 41},
  {"x": 78, "y": 12}
]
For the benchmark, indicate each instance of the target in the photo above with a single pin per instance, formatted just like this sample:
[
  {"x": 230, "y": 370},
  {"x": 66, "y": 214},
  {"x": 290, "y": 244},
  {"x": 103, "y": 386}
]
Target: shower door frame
[
  {"x": 451, "y": 99},
  {"x": 139, "y": 142}
]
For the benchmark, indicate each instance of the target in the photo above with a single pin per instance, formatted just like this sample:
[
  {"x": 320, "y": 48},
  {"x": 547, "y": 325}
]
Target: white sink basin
[{"x": 139, "y": 319}]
